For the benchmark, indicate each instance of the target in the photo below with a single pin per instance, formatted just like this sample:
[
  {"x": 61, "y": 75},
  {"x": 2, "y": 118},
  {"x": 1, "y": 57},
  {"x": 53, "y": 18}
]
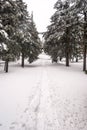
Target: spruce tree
[
  {"x": 9, "y": 23},
  {"x": 28, "y": 39},
  {"x": 60, "y": 29},
  {"x": 64, "y": 35},
  {"x": 80, "y": 8},
  {"x": 36, "y": 46},
  {"x": 23, "y": 34},
  {"x": 18, "y": 34}
]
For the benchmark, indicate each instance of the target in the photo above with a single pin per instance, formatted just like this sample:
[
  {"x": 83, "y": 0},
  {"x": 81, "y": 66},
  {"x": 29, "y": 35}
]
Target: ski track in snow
[
  {"x": 51, "y": 106},
  {"x": 40, "y": 112}
]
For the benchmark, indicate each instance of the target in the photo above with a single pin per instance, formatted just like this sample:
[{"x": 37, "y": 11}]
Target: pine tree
[
  {"x": 80, "y": 8},
  {"x": 36, "y": 46},
  {"x": 76, "y": 40},
  {"x": 23, "y": 34},
  {"x": 64, "y": 36},
  {"x": 9, "y": 23},
  {"x": 60, "y": 29},
  {"x": 18, "y": 35},
  {"x": 27, "y": 35}
]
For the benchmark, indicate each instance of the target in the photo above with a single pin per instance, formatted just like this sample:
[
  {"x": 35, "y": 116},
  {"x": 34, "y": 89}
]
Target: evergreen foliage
[
  {"x": 17, "y": 35},
  {"x": 8, "y": 20},
  {"x": 35, "y": 48},
  {"x": 66, "y": 35}
]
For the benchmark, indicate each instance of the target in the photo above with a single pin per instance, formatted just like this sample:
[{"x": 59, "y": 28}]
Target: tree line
[
  {"x": 18, "y": 33},
  {"x": 66, "y": 36}
]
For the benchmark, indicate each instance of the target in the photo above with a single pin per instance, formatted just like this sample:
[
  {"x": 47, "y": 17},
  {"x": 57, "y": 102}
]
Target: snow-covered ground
[{"x": 43, "y": 96}]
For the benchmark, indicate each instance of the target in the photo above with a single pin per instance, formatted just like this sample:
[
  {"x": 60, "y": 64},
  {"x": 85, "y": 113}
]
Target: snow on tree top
[{"x": 4, "y": 34}]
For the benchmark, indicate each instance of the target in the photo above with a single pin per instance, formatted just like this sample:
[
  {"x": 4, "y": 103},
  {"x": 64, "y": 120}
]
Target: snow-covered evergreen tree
[
  {"x": 23, "y": 34},
  {"x": 81, "y": 6},
  {"x": 17, "y": 34},
  {"x": 3, "y": 38},
  {"x": 80, "y": 9},
  {"x": 64, "y": 36},
  {"x": 35, "y": 41},
  {"x": 60, "y": 28},
  {"x": 27, "y": 35},
  {"x": 9, "y": 23}
]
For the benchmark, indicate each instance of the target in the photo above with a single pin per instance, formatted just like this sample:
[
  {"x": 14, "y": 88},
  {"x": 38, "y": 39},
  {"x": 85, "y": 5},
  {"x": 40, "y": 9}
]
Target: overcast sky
[{"x": 42, "y": 10}]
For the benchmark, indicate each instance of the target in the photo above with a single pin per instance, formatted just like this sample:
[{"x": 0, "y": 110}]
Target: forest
[
  {"x": 66, "y": 36},
  {"x": 18, "y": 33}
]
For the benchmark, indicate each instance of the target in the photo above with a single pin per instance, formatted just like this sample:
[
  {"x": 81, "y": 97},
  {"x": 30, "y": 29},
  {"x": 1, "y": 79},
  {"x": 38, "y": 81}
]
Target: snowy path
[
  {"x": 45, "y": 113},
  {"x": 43, "y": 96}
]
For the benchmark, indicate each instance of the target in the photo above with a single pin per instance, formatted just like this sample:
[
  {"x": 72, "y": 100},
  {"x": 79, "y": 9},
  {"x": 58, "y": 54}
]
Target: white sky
[{"x": 42, "y": 10}]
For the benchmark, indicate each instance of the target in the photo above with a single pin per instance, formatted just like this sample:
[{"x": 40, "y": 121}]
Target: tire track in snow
[
  {"x": 43, "y": 98},
  {"x": 40, "y": 114},
  {"x": 46, "y": 116}
]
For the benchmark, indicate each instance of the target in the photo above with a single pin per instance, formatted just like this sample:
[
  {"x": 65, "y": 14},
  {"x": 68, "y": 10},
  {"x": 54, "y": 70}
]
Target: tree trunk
[
  {"x": 6, "y": 66},
  {"x": 76, "y": 59},
  {"x": 84, "y": 44},
  {"x": 67, "y": 59},
  {"x": 60, "y": 58},
  {"x": 84, "y": 58},
  {"x": 67, "y": 46},
  {"x": 22, "y": 64}
]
